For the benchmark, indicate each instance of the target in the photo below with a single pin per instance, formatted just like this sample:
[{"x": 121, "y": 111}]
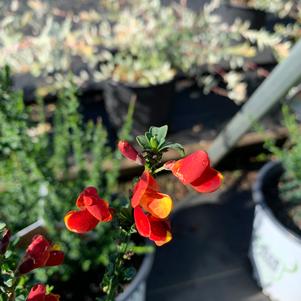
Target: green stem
[
  {"x": 159, "y": 169},
  {"x": 12, "y": 289},
  {"x": 114, "y": 282}
]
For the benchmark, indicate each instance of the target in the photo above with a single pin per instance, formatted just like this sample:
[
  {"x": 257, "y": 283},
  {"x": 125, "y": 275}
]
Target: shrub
[{"x": 45, "y": 163}]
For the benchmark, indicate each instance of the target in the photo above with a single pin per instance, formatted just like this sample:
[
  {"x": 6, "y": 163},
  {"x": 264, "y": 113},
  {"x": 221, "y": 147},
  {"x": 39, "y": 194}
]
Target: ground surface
[{"x": 207, "y": 260}]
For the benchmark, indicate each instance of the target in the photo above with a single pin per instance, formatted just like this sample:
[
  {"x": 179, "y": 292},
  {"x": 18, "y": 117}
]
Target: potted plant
[
  {"x": 275, "y": 249},
  {"x": 146, "y": 214},
  {"x": 145, "y": 77}
]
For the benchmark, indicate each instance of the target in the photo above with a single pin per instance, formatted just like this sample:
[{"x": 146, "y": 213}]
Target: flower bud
[
  {"x": 4, "y": 242},
  {"x": 130, "y": 152}
]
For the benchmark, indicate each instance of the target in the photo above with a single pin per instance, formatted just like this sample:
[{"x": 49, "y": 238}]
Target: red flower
[
  {"x": 130, "y": 152},
  {"x": 93, "y": 210},
  {"x": 146, "y": 194},
  {"x": 38, "y": 293},
  {"x": 195, "y": 170},
  {"x": 157, "y": 230},
  {"x": 40, "y": 253}
]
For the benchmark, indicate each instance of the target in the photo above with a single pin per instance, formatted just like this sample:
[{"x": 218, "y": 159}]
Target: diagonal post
[{"x": 272, "y": 90}]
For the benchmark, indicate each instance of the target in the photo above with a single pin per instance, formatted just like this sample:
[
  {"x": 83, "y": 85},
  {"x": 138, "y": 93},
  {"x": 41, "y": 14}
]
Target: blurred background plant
[
  {"x": 46, "y": 160},
  {"x": 289, "y": 156},
  {"x": 138, "y": 41}
]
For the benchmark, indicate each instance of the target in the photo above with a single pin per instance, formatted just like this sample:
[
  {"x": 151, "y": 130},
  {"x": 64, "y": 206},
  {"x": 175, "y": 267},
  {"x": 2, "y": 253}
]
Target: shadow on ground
[{"x": 207, "y": 260}]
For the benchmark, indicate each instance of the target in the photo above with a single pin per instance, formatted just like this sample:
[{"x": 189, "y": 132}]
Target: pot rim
[
  {"x": 243, "y": 7},
  {"x": 137, "y": 86},
  {"x": 142, "y": 274},
  {"x": 259, "y": 197}
]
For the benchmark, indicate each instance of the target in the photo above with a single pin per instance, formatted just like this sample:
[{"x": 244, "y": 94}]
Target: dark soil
[{"x": 281, "y": 207}]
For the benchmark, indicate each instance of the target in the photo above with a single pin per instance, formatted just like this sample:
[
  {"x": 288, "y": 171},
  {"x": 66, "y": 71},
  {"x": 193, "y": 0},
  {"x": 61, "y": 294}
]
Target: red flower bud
[
  {"x": 4, "y": 242},
  {"x": 130, "y": 152},
  {"x": 38, "y": 293}
]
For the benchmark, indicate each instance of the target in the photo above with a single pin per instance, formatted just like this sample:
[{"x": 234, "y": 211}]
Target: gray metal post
[{"x": 271, "y": 91}]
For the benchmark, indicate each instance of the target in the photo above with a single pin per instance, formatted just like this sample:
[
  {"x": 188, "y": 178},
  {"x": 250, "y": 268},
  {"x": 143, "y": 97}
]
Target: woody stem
[{"x": 118, "y": 264}]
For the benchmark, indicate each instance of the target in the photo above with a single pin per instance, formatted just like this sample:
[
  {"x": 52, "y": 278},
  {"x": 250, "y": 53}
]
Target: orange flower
[
  {"x": 38, "y": 293},
  {"x": 151, "y": 208},
  {"x": 93, "y": 210},
  {"x": 146, "y": 194},
  {"x": 195, "y": 170},
  {"x": 40, "y": 253},
  {"x": 130, "y": 152},
  {"x": 157, "y": 230}
]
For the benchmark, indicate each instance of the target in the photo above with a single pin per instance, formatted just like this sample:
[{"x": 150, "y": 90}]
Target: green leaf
[
  {"x": 175, "y": 146},
  {"x": 143, "y": 141},
  {"x": 2, "y": 226},
  {"x": 129, "y": 273},
  {"x": 159, "y": 132},
  {"x": 154, "y": 143},
  {"x": 9, "y": 282}
]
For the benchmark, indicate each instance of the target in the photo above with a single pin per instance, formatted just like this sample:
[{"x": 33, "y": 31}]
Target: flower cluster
[
  {"x": 151, "y": 207},
  {"x": 39, "y": 253}
]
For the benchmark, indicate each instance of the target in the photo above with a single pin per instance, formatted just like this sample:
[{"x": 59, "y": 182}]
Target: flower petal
[
  {"x": 145, "y": 182},
  {"x": 89, "y": 193},
  {"x": 80, "y": 221},
  {"x": 189, "y": 168},
  {"x": 52, "y": 297},
  {"x": 160, "y": 231},
  {"x": 157, "y": 204},
  {"x": 130, "y": 152},
  {"x": 55, "y": 258},
  {"x": 37, "y": 293},
  {"x": 210, "y": 181},
  {"x": 99, "y": 209},
  {"x": 142, "y": 222},
  {"x": 38, "y": 250},
  {"x": 26, "y": 266}
]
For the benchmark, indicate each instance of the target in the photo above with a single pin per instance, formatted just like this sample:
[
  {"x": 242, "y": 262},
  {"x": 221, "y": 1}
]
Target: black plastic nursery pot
[
  {"x": 136, "y": 290},
  {"x": 152, "y": 107},
  {"x": 84, "y": 286},
  {"x": 275, "y": 249},
  {"x": 229, "y": 13}
]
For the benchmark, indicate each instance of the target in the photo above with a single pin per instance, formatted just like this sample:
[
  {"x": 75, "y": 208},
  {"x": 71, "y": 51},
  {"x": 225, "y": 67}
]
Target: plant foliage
[{"x": 46, "y": 161}]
